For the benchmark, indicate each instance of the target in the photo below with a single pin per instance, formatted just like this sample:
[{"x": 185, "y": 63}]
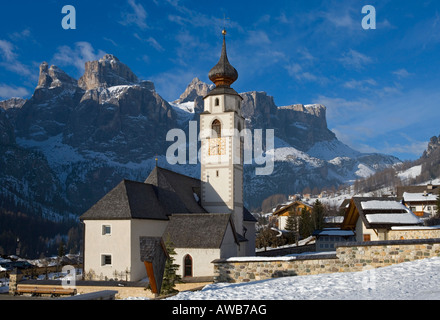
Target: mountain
[{"x": 82, "y": 137}]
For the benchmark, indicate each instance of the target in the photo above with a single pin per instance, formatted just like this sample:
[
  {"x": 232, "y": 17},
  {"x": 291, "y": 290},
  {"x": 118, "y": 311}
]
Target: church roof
[
  {"x": 162, "y": 194},
  {"x": 176, "y": 191},
  {"x": 128, "y": 200},
  {"x": 198, "y": 230}
]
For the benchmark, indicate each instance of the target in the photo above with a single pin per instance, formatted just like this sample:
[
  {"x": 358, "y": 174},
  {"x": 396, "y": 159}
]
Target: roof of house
[
  {"x": 162, "y": 194},
  {"x": 283, "y": 207},
  {"x": 176, "y": 191},
  {"x": 128, "y": 200},
  {"x": 419, "y": 197},
  {"x": 378, "y": 213},
  {"x": 417, "y": 189},
  {"x": 200, "y": 230},
  {"x": 333, "y": 232}
]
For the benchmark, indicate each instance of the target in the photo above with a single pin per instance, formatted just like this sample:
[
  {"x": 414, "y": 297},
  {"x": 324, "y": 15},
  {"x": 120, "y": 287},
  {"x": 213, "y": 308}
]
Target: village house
[
  {"x": 282, "y": 212},
  {"x": 422, "y": 200},
  {"x": 205, "y": 218},
  {"x": 373, "y": 219},
  {"x": 326, "y": 238}
]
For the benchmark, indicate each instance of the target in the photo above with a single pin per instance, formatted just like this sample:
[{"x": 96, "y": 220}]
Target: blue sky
[{"x": 380, "y": 87}]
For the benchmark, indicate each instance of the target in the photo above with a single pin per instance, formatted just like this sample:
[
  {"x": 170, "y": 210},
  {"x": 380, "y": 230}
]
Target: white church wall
[
  {"x": 106, "y": 253},
  {"x": 229, "y": 246},
  {"x": 201, "y": 260},
  {"x": 121, "y": 244}
]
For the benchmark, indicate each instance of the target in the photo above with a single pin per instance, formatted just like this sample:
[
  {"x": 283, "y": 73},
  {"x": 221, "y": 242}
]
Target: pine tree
[
  {"x": 292, "y": 226},
  {"x": 170, "y": 276},
  {"x": 318, "y": 215},
  {"x": 305, "y": 223},
  {"x": 61, "y": 249}
]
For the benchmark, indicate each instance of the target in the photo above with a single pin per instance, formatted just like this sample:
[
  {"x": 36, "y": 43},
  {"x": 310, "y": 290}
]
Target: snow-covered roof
[
  {"x": 379, "y": 212},
  {"x": 409, "y": 197},
  {"x": 393, "y": 218},
  {"x": 385, "y": 205},
  {"x": 334, "y": 232},
  {"x": 395, "y": 213}
]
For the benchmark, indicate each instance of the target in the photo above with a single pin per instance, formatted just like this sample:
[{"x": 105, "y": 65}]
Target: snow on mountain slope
[{"x": 328, "y": 150}]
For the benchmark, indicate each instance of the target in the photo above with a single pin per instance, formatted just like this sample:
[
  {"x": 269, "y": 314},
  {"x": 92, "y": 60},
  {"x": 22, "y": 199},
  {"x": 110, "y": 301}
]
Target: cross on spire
[{"x": 224, "y": 24}]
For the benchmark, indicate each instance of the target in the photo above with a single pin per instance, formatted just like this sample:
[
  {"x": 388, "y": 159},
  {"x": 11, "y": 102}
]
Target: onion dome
[{"x": 223, "y": 73}]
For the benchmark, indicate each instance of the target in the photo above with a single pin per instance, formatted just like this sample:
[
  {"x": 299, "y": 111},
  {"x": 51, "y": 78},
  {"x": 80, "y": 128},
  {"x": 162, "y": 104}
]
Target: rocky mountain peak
[
  {"x": 53, "y": 77},
  {"x": 196, "y": 88},
  {"x": 433, "y": 145},
  {"x": 12, "y": 103},
  {"x": 106, "y": 72}
]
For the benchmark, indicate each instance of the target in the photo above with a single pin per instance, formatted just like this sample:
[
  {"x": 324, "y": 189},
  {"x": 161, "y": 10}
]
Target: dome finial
[{"x": 223, "y": 73}]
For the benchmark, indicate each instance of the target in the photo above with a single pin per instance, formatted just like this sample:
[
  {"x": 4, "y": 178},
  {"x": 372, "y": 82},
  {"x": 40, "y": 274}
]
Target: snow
[
  {"x": 419, "y": 197},
  {"x": 329, "y": 150},
  {"x": 398, "y": 218},
  {"x": 385, "y": 205},
  {"x": 335, "y": 232},
  {"x": 410, "y": 173},
  {"x": 185, "y": 111},
  {"x": 405, "y": 217},
  {"x": 416, "y": 280}
]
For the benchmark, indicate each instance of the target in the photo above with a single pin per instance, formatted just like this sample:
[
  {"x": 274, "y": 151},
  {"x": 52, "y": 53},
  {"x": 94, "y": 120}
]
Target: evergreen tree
[
  {"x": 305, "y": 223},
  {"x": 318, "y": 215},
  {"x": 61, "y": 249},
  {"x": 292, "y": 226},
  {"x": 267, "y": 238},
  {"x": 170, "y": 277}
]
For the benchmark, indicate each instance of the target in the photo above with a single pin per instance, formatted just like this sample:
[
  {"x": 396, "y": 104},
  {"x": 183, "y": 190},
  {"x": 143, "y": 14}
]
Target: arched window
[
  {"x": 217, "y": 128},
  {"x": 217, "y": 102},
  {"x": 188, "y": 265}
]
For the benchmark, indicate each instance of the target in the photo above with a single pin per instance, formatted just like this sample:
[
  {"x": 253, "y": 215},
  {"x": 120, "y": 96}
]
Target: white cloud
[
  {"x": 7, "y": 91},
  {"x": 363, "y": 85},
  {"x": 77, "y": 56},
  {"x": 10, "y": 59},
  {"x": 23, "y": 35},
  {"x": 258, "y": 38},
  {"x": 297, "y": 71},
  {"x": 7, "y": 50},
  {"x": 137, "y": 17},
  {"x": 354, "y": 59},
  {"x": 151, "y": 41},
  {"x": 402, "y": 73}
]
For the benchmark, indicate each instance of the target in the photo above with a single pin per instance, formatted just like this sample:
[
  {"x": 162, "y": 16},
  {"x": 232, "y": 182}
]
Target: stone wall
[
  {"x": 414, "y": 233},
  {"x": 349, "y": 257}
]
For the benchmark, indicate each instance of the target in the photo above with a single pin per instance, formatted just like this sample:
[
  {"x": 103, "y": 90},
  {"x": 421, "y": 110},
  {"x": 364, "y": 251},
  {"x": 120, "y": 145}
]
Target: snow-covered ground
[{"x": 417, "y": 280}]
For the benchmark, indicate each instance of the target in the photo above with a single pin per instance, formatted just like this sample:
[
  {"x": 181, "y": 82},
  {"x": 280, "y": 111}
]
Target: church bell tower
[{"x": 221, "y": 144}]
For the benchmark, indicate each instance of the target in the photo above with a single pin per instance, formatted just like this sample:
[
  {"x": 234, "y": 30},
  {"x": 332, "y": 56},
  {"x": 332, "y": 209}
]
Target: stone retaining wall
[
  {"x": 414, "y": 233},
  {"x": 349, "y": 257}
]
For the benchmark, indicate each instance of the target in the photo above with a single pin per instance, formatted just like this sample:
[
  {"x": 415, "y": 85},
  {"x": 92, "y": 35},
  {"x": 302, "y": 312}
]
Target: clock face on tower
[{"x": 217, "y": 147}]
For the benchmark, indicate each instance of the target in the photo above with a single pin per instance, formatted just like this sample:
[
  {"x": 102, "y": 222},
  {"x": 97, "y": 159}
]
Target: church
[{"x": 205, "y": 218}]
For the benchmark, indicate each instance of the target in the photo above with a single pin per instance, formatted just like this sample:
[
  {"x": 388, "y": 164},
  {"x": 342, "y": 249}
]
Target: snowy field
[{"x": 417, "y": 280}]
